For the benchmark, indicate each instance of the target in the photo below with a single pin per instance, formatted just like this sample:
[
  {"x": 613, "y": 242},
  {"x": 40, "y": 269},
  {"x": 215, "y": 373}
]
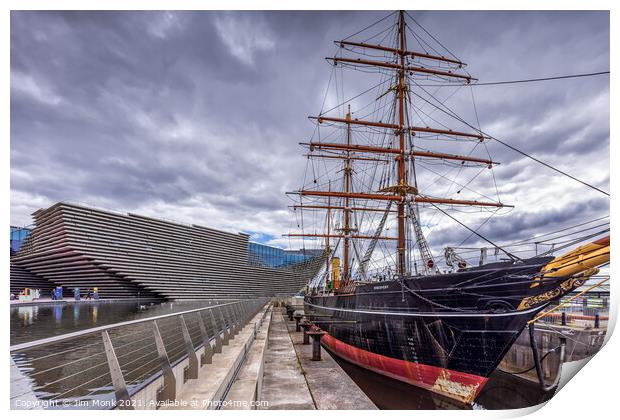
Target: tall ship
[{"x": 375, "y": 173}]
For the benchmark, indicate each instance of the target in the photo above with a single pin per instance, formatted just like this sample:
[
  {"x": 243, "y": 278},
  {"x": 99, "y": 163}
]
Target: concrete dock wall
[{"x": 580, "y": 344}]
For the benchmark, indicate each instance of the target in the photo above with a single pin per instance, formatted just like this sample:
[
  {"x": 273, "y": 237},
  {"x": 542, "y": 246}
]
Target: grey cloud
[{"x": 156, "y": 112}]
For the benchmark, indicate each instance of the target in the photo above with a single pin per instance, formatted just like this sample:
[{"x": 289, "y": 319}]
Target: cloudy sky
[{"x": 196, "y": 116}]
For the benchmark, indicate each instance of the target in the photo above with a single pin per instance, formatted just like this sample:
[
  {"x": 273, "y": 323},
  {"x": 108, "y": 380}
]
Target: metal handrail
[
  {"x": 75, "y": 384},
  {"x": 58, "y": 338}
]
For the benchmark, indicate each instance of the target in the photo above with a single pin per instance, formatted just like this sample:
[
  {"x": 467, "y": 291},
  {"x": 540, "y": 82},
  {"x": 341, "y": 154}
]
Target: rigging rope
[
  {"x": 544, "y": 242},
  {"x": 453, "y": 114},
  {"x": 513, "y": 257},
  {"x": 541, "y": 79},
  {"x": 509, "y": 82},
  {"x": 354, "y": 97},
  {"x": 371, "y": 247},
  {"x": 381, "y": 109},
  {"x": 429, "y": 34},
  {"x": 371, "y": 25},
  {"x": 524, "y": 241},
  {"x": 533, "y": 367}
]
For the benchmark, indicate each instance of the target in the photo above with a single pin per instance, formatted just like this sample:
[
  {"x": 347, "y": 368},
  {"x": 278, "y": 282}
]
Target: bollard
[
  {"x": 316, "y": 344},
  {"x": 297, "y": 319},
  {"x": 305, "y": 325},
  {"x": 290, "y": 312},
  {"x": 563, "y": 318}
]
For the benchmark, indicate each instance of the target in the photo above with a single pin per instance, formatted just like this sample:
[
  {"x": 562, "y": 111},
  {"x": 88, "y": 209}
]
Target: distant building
[
  {"x": 18, "y": 235},
  {"x": 129, "y": 256},
  {"x": 268, "y": 256}
]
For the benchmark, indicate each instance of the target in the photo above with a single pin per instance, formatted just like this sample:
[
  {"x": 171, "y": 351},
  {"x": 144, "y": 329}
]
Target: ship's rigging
[
  {"x": 382, "y": 175},
  {"x": 387, "y": 154}
]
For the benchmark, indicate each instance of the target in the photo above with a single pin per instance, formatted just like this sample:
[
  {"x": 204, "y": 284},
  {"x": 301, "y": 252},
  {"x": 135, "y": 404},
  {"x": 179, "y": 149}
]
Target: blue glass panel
[{"x": 268, "y": 256}]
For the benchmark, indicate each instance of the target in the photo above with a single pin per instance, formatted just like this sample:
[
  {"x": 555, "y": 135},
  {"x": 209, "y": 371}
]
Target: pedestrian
[{"x": 88, "y": 297}]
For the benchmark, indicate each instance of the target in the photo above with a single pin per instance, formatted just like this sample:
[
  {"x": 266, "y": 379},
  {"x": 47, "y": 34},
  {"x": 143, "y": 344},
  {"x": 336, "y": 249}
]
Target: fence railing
[
  {"x": 113, "y": 362},
  {"x": 587, "y": 311}
]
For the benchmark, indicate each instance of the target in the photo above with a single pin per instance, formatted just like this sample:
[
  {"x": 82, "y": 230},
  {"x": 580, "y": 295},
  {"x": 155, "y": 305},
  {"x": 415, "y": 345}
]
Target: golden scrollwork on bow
[{"x": 564, "y": 287}]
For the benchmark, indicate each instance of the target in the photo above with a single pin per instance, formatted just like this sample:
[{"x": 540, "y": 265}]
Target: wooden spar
[
  {"x": 357, "y": 122},
  {"x": 313, "y": 206},
  {"x": 367, "y": 196},
  {"x": 450, "y": 157},
  {"x": 322, "y": 235},
  {"x": 345, "y": 157},
  {"x": 412, "y": 54},
  {"x": 459, "y": 202},
  {"x": 401, "y": 67},
  {"x": 351, "y": 147},
  {"x": 419, "y": 199},
  {"x": 372, "y": 149},
  {"x": 412, "y": 129},
  {"x": 402, "y": 174}
]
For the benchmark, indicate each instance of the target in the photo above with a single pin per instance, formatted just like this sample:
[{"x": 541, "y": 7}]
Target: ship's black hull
[{"x": 446, "y": 333}]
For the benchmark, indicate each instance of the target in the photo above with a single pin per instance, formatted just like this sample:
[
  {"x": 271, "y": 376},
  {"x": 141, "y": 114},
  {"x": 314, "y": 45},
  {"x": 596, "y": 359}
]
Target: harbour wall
[{"x": 581, "y": 342}]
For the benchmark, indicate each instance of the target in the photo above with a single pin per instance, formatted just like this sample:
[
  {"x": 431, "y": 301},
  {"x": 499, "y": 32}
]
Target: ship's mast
[
  {"x": 347, "y": 206},
  {"x": 402, "y": 174},
  {"x": 327, "y": 247},
  {"x": 406, "y": 196}
]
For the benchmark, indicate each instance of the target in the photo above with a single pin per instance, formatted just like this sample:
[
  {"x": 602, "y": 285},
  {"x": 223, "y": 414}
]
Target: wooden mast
[
  {"x": 347, "y": 207},
  {"x": 402, "y": 174},
  {"x": 327, "y": 248},
  {"x": 402, "y": 193}
]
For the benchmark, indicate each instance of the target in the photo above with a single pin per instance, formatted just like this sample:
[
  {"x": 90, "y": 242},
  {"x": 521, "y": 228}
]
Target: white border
[{"x": 590, "y": 394}]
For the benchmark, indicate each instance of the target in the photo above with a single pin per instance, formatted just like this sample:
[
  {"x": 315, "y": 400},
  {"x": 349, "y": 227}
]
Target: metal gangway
[{"x": 103, "y": 367}]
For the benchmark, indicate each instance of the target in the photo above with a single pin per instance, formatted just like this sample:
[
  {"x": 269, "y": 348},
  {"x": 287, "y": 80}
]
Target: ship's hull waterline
[{"x": 446, "y": 340}]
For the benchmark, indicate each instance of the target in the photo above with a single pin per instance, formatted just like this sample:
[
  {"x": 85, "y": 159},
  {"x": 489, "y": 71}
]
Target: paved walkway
[
  {"x": 215, "y": 378},
  {"x": 331, "y": 387},
  {"x": 22, "y": 397},
  {"x": 284, "y": 384}
]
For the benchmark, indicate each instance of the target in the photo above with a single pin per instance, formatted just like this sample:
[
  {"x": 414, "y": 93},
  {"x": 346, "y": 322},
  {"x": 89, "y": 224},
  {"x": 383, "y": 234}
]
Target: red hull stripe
[{"x": 461, "y": 386}]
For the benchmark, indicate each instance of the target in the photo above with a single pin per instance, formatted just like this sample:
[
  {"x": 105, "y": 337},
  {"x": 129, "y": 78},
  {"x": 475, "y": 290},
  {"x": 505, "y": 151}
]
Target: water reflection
[
  {"x": 57, "y": 314},
  {"x": 76, "y": 315},
  {"x": 27, "y": 315},
  {"x": 77, "y": 367},
  {"x": 502, "y": 392},
  {"x": 33, "y": 322}
]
